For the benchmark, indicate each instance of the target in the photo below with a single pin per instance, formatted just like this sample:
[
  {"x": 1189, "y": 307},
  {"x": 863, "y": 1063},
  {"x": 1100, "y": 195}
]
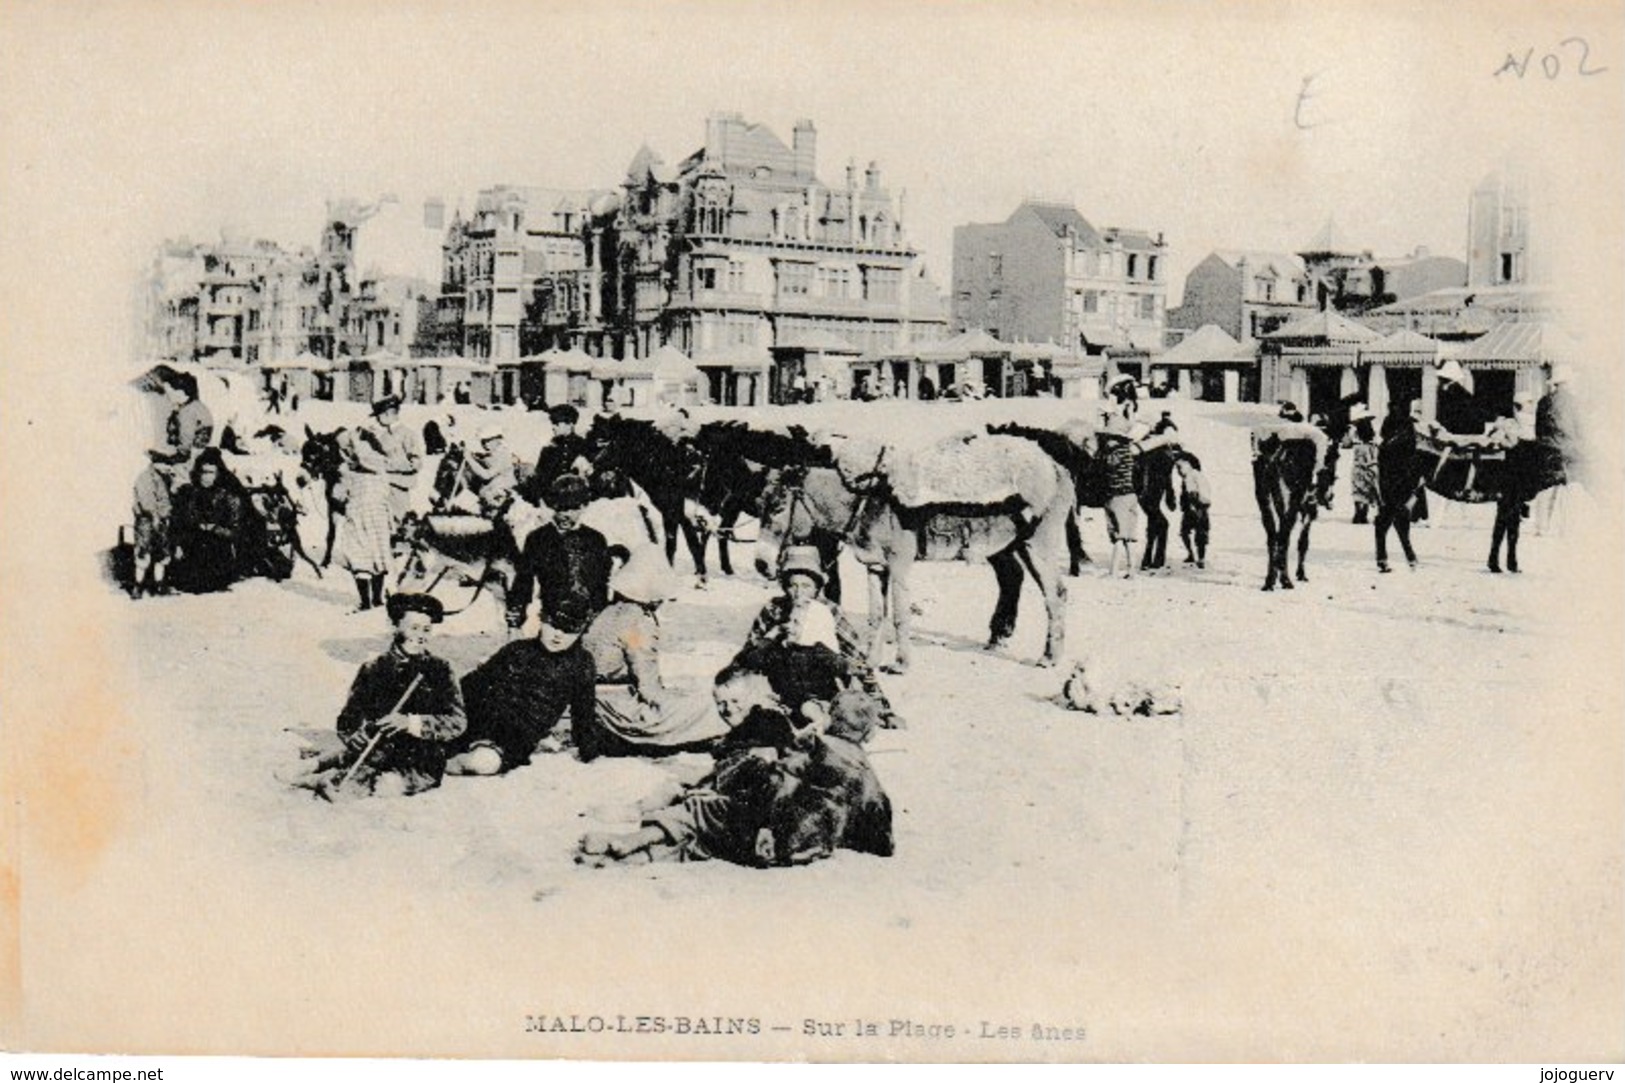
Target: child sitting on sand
[{"x": 403, "y": 707}]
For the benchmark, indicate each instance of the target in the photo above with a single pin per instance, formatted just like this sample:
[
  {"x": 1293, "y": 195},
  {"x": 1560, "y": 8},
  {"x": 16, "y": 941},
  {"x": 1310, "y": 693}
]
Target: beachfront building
[{"x": 742, "y": 256}]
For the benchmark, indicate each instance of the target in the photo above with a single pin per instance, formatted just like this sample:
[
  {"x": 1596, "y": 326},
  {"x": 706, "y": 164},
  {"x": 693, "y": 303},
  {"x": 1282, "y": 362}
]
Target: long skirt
[
  {"x": 367, "y": 530},
  {"x": 686, "y": 720}
]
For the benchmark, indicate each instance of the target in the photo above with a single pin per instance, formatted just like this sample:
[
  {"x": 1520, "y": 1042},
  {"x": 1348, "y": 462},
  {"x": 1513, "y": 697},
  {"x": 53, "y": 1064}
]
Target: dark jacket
[
  {"x": 1118, "y": 455},
  {"x": 378, "y": 687},
  {"x": 555, "y": 460},
  {"x": 516, "y": 697},
  {"x": 556, "y": 564},
  {"x": 1399, "y": 472}
]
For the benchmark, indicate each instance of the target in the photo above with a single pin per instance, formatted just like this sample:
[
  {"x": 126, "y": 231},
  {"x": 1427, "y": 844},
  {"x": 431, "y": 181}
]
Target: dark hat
[
  {"x": 388, "y": 402},
  {"x": 568, "y": 492},
  {"x": 569, "y": 614},
  {"x": 564, "y": 414},
  {"x": 401, "y": 604},
  {"x": 1290, "y": 411},
  {"x": 181, "y": 381}
]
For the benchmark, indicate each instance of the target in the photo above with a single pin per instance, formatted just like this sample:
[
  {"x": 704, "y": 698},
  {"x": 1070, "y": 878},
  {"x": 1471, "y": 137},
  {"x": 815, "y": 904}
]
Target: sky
[{"x": 1193, "y": 120}]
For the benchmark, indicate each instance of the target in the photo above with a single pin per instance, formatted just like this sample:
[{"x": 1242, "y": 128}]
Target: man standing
[
  {"x": 563, "y": 560},
  {"x": 1399, "y": 476}
]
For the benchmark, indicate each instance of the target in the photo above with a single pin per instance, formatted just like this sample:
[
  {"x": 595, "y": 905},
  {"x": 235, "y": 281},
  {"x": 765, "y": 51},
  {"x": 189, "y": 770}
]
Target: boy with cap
[
  {"x": 403, "y": 708},
  {"x": 563, "y": 559},
  {"x": 558, "y": 457},
  {"x": 518, "y": 695}
]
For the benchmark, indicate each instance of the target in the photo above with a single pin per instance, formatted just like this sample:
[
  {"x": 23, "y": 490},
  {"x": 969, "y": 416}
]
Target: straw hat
[
  {"x": 802, "y": 559},
  {"x": 489, "y": 433}
]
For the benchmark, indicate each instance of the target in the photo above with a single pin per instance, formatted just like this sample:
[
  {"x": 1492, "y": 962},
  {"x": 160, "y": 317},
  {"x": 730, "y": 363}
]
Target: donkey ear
[{"x": 308, "y": 434}]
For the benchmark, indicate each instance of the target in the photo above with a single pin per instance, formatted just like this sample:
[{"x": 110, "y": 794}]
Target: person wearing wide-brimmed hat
[
  {"x": 1361, "y": 440},
  {"x": 404, "y": 708},
  {"x": 1402, "y": 499},
  {"x": 638, "y": 713},
  {"x": 381, "y": 463},
  {"x": 1455, "y": 408},
  {"x": 805, "y": 644},
  {"x": 489, "y": 475},
  {"x": 563, "y": 558}
]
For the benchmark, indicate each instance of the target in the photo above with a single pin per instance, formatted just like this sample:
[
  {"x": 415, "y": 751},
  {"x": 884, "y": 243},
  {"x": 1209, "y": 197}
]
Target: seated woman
[
  {"x": 207, "y": 522},
  {"x": 787, "y": 789},
  {"x": 404, "y": 707},
  {"x": 805, "y": 645},
  {"x": 637, "y": 713}
]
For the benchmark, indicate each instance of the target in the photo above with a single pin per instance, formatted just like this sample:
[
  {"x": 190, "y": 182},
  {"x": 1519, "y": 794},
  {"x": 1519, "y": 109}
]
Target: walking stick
[{"x": 417, "y": 679}]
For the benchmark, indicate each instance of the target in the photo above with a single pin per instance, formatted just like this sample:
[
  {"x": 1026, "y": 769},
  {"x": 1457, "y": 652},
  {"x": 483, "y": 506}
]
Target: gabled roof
[
  {"x": 1283, "y": 264},
  {"x": 1325, "y": 328},
  {"x": 1532, "y": 342},
  {"x": 1058, "y": 216},
  {"x": 1207, "y": 344},
  {"x": 1403, "y": 341}
]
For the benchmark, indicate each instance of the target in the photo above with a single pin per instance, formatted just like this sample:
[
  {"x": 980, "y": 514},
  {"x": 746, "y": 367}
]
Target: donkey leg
[
  {"x": 1303, "y": 549},
  {"x": 1514, "y": 528},
  {"x": 877, "y": 614},
  {"x": 724, "y": 560},
  {"x": 668, "y": 523},
  {"x": 902, "y": 617},
  {"x": 1074, "y": 544},
  {"x": 1496, "y": 535},
  {"x": 1043, "y": 563},
  {"x": 695, "y": 539},
  {"x": 1007, "y": 570}
]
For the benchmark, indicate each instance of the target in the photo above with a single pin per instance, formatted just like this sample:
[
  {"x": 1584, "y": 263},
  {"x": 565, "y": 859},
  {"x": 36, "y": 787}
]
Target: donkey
[{"x": 1025, "y": 532}]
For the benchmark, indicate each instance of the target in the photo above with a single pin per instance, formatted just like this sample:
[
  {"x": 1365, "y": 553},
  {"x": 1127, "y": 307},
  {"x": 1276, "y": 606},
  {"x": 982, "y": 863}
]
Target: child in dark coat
[{"x": 403, "y": 708}]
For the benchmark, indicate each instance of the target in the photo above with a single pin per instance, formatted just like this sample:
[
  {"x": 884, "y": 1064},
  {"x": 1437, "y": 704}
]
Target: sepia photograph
[{"x": 738, "y": 531}]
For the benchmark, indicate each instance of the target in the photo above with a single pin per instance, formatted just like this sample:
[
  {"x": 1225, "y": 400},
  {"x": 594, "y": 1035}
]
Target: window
[
  {"x": 705, "y": 278},
  {"x": 795, "y": 279},
  {"x": 736, "y": 276},
  {"x": 995, "y": 265},
  {"x": 836, "y": 281},
  {"x": 1148, "y": 306},
  {"x": 1506, "y": 266},
  {"x": 883, "y": 284},
  {"x": 1151, "y": 268},
  {"x": 1091, "y": 300},
  {"x": 1133, "y": 264},
  {"x": 1264, "y": 288}
]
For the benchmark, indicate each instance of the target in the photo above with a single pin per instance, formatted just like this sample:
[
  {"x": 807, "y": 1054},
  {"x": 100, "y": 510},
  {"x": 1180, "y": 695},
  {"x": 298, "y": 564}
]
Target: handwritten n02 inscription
[{"x": 1578, "y": 50}]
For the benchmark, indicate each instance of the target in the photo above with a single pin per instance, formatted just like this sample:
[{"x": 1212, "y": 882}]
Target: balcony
[
  {"x": 735, "y": 299},
  {"x": 813, "y": 304}
]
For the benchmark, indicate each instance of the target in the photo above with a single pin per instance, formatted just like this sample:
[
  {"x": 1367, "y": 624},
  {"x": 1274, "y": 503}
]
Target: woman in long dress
[{"x": 381, "y": 461}]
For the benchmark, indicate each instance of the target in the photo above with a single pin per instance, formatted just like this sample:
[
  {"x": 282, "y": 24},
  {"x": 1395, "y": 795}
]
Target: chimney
[
  {"x": 851, "y": 174},
  {"x": 805, "y": 147},
  {"x": 718, "y": 127},
  {"x": 871, "y": 177}
]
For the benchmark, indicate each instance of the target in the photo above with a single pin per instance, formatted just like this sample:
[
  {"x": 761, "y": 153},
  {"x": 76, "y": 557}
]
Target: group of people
[
  {"x": 190, "y": 513},
  {"x": 1123, "y": 439},
  {"x": 785, "y": 718}
]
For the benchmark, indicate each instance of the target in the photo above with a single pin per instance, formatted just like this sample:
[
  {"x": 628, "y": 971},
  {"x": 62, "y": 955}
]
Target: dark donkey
[
  {"x": 1074, "y": 449},
  {"x": 663, "y": 466},
  {"x": 1294, "y": 466},
  {"x": 735, "y": 464},
  {"x": 1508, "y": 477},
  {"x": 321, "y": 456}
]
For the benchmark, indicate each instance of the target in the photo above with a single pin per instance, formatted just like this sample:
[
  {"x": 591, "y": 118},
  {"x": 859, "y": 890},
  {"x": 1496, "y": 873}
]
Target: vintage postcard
[{"x": 731, "y": 531}]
